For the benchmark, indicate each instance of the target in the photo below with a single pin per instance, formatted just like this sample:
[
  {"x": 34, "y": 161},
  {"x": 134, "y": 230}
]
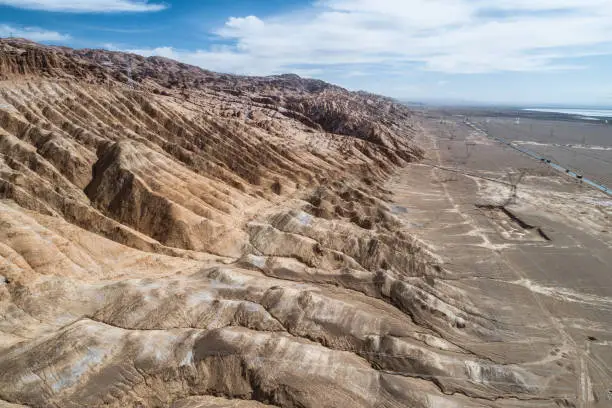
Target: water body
[{"x": 594, "y": 113}]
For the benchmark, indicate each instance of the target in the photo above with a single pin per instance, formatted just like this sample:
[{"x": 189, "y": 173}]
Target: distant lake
[{"x": 597, "y": 113}]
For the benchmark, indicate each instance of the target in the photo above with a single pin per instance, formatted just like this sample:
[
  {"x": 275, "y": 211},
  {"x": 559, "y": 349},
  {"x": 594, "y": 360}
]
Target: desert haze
[{"x": 174, "y": 237}]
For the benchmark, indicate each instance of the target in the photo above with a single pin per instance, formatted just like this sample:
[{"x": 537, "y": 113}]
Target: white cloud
[
  {"x": 32, "y": 33},
  {"x": 451, "y": 36},
  {"x": 86, "y": 6},
  {"x": 221, "y": 59}
]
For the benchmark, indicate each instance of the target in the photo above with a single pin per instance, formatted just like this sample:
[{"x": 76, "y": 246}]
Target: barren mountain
[{"x": 171, "y": 236}]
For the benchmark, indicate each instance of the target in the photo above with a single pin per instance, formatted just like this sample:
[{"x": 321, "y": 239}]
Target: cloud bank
[
  {"x": 449, "y": 36},
  {"x": 86, "y": 6},
  {"x": 32, "y": 33}
]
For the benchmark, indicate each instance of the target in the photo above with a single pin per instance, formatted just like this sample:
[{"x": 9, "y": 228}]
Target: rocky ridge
[{"x": 176, "y": 237}]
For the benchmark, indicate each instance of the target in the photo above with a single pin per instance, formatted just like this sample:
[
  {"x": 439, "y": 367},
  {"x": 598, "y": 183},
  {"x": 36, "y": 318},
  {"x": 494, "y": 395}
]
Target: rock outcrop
[{"x": 171, "y": 236}]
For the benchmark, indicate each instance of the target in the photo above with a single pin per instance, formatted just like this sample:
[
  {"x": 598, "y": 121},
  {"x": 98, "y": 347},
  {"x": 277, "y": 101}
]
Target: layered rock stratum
[{"x": 171, "y": 236}]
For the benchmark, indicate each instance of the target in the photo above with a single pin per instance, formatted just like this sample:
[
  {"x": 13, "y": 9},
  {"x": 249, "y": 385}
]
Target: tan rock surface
[{"x": 183, "y": 238}]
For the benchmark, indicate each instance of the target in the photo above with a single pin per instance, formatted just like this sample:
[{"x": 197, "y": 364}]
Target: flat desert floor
[
  {"x": 581, "y": 146},
  {"x": 529, "y": 245}
]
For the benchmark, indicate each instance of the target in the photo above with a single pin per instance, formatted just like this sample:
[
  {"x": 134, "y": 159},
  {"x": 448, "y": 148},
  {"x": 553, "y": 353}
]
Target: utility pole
[{"x": 129, "y": 72}]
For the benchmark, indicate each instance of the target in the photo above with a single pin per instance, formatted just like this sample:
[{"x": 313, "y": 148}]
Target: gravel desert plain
[{"x": 174, "y": 237}]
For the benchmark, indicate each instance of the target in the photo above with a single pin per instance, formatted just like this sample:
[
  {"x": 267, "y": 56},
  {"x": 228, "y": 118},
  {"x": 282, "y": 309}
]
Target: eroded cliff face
[{"x": 185, "y": 238}]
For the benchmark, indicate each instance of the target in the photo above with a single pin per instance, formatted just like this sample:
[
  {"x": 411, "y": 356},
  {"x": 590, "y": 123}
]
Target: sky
[{"x": 523, "y": 52}]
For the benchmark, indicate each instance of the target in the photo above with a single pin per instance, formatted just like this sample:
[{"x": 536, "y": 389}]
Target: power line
[{"x": 556, "y": 166}]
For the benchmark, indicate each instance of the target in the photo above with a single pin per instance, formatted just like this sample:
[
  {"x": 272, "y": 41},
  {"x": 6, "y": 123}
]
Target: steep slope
[{"x": 176, "y": 237}]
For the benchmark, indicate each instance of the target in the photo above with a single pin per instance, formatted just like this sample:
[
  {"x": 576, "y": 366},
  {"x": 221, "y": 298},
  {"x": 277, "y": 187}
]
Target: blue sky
[{"x": 501, "y": 51}]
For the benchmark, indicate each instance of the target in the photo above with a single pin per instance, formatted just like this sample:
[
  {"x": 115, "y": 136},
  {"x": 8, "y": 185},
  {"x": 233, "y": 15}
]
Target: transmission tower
[
  {"x": 468, "y": 152},
  {"x": 514, "y": 179}
]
